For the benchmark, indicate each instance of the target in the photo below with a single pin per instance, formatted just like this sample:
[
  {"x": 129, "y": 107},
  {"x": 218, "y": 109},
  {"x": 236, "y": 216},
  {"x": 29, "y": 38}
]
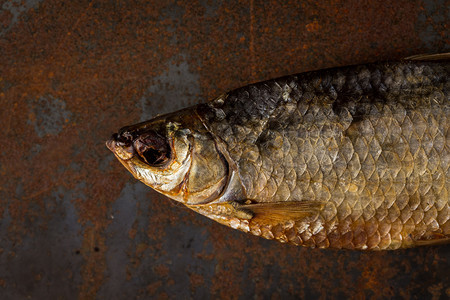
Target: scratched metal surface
[{"x": 74, "y": 224}]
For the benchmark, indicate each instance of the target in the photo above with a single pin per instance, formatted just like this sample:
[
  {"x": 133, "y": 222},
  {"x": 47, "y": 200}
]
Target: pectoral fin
[
  {"x": 280, "y": 211},
  {"x": 263, "y": 213}
]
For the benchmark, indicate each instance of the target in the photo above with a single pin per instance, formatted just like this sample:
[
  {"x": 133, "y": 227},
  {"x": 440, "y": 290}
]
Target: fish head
[{"x": 175, "y": 155}]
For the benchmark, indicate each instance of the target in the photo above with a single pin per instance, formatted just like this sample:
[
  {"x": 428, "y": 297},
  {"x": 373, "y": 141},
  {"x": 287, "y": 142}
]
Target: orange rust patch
[{"x": 100, "y": 58}]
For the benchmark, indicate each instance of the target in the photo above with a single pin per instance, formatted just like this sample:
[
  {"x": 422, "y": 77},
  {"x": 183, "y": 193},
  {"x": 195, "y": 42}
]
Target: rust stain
[
  {"x": 71, "y": 216},
  {"x": 313, "y": 26}
]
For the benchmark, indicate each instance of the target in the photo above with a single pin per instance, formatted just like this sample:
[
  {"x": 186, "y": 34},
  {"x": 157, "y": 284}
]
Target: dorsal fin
[{"x": 429, "y": 57}]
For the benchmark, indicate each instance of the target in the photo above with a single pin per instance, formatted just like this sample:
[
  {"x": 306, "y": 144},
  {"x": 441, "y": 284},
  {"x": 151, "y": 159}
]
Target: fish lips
[
  {"x": 111, "y": 145},
  {"x": 123, "y": 149}
]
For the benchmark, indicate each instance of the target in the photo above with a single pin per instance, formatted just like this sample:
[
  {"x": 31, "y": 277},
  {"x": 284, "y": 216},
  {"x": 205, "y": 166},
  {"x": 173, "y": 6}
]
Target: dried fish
[{"x": 353, "y": 157}]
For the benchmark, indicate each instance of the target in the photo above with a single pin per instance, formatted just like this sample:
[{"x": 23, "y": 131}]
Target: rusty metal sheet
[{"x": 74, "y": 224}]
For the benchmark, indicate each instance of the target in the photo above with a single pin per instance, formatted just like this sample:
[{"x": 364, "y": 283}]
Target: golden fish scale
[{"x": 378, "y": 161}]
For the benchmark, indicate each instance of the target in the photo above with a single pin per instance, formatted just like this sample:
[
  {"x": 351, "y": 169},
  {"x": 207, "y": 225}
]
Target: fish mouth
[
  {"x": 120, "y": 146},
  {"x": 113, "y": 142},
  {"x": 111, "y": 145}
]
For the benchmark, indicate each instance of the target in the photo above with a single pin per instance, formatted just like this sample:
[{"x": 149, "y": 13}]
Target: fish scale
[
  {"x": 369, "y": 141},
  {"x": 353, "y": 157}
]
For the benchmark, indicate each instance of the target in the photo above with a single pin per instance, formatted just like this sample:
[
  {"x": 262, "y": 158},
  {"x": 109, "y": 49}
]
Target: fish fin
[
  {"x": 225, "y": 209},
  {"x": 263, "y": 213},
  {"x": 280, "y": 211},
  {"x": 430, "y": 57},
  {"x": 434, "y": 239}
]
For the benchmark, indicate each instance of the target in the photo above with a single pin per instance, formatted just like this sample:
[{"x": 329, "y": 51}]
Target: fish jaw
[{"x": 122, "y": 153}]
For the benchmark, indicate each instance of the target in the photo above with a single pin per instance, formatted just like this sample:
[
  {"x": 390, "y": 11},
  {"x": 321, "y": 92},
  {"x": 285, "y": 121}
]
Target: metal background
[{"x": 75, "y": 224}]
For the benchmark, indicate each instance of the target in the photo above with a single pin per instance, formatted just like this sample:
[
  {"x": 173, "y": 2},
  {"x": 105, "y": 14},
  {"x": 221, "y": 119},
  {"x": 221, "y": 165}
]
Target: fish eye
[
  {"x": 153, "y": 149},
  {"x": 154, "y": 156}
]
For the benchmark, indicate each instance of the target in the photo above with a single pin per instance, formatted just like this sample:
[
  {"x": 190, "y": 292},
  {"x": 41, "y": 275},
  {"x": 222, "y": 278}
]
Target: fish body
[{"x": 353, "y": 157}]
